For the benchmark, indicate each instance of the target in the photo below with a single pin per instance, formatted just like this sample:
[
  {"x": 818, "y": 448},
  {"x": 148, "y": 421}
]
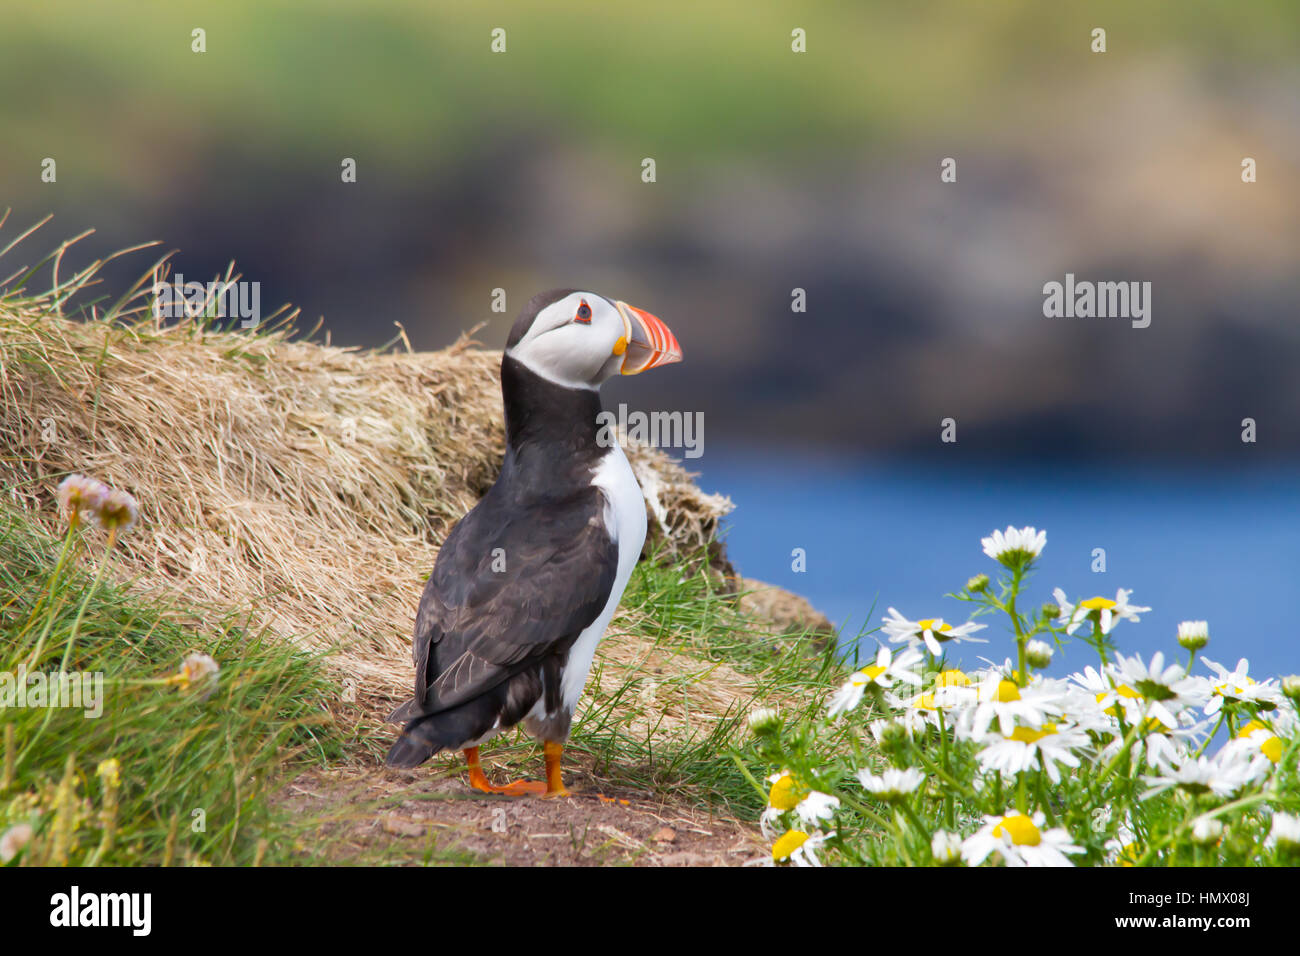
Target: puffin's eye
[{"x": 584, "y": 313}]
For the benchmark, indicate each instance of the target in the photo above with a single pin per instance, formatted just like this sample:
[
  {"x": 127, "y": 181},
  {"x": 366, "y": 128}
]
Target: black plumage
[{"x": 518, "y": 578}]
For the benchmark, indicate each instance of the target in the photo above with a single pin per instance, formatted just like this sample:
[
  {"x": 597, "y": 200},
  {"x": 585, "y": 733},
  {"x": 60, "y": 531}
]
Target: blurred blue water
[{"x": 1211, "y": 543}]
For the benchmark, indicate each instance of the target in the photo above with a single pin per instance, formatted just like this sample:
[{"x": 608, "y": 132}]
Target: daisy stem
[
  {"x": 1098, "y": 641},
  {"x": 1123, "y": 752},
  {"x": 939, "y": 772},
  {"x": 902, "y": 839},
  {"x": 915, "y": 820},
  {"x": 866, "y": 811},
  {"x": 948, "y": 815},
  {"x": 1022, "y": 673},
  {"x": 1207, "y": 740},
  {"x": 1043, "y": 801}
]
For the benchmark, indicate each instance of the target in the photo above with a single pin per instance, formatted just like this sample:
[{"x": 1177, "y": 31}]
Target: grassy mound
[
  {"x": 293, "y": 497},
  {"x": 310, "y": 482},
  {"x": 126, "y": 767}
]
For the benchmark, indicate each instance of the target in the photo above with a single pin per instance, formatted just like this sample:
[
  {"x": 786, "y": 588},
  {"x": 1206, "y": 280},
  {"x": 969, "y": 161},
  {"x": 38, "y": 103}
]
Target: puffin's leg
[
  {"x": 554, "y": 779},
  {"x": 479, "y": 781}
]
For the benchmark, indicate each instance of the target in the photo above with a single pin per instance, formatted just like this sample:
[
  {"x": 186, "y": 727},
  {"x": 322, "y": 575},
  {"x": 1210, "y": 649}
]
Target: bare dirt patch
[{"x": 432, "y": 815}]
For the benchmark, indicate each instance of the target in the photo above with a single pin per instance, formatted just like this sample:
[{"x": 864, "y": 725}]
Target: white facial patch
[{"x": 572, "y": 353}]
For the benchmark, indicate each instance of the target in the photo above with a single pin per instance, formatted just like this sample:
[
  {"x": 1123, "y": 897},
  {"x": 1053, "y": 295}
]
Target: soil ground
[{"x": 431, "y": 814}]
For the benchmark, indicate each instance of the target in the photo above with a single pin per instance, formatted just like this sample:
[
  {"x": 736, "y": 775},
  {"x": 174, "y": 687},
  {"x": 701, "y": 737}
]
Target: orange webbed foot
[{"x": 518, "y": 788}]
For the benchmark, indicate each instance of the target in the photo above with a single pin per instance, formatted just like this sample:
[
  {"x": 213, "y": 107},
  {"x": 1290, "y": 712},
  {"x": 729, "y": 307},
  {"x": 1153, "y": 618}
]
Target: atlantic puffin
[{"x": 526, "y": 583}]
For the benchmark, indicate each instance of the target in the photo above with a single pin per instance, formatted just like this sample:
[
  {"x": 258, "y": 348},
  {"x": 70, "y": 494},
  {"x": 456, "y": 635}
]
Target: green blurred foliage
[{"x": 118, "y": 86}]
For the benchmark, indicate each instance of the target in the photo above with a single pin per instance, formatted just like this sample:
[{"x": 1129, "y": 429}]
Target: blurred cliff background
[{"x": 775, "y": 170}]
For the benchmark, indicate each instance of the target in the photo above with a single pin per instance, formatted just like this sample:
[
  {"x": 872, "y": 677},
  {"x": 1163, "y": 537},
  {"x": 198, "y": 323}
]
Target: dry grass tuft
[{"x": 310, "y": 483}]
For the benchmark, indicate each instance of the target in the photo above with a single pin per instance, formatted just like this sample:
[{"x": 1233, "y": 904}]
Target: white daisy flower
[
  {"x": 1015, "y": 547},
  {"x": 1257, "y": 738},
  {"x": 906, "y": 723},
  {"x": 1012, "y": 705},
  {"x": 783, "y": 794},
  {"x": 1291, "y": 686},
  {"x": 1193, "y": 635},
  {"x": 763, "y": 720},
  {"x": 1038, "y": 654},
  {"x": 883, "y": 674},
  {"x": 921, "y": 710},
  {"x": 1098, "y": 702},
  {"x": 945, "y": 847},
  {"x": 954, "y": 689},
  {"x": 1285, "y": 721},
  {"x": 1223, "y": 774},
  {"x": 1237, "y": 686},
  {"x": 1108, "y": 613},
  {"x": 931, "y": 631},
  {"x": 1024, "y": 747},
  {"x": 1285, "y": 834},
  {"x": 786, "y": 793},
  {"x": 892, "y": 785},
  {"x": 817, "y": 806},
  {"x": 1164, "y": 690},
  {"x": 1020, "y": 840},
  {"x": 799, "y": 848},
  {"x": 1207, "y": 831},
  {"x": 1121, "y": 849},
  {"x": 1160, "y": 746}
]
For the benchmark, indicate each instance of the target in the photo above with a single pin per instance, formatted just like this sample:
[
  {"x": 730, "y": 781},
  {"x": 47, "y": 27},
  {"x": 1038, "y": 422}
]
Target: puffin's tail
[
  {"x": 412, "y": 748},
  {"x": 426, "y": 734},
  {"x": 420, "y": 740}
]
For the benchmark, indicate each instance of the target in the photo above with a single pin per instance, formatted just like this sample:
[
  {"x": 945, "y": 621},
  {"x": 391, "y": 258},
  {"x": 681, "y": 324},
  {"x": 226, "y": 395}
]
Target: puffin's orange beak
[{"x": 648, "y": 341}]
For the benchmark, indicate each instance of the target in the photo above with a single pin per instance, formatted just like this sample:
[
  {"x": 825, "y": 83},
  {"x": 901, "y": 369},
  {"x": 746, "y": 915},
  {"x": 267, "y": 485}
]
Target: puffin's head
[{"x": 579, "y": 339}]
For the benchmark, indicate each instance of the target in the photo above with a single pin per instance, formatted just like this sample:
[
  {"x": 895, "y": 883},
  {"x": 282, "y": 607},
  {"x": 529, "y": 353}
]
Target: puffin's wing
[{"x": 510, "y": 586}]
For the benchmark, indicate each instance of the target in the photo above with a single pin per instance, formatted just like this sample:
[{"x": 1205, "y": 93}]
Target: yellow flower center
[
  {"x": 1123, "y": 690},
  {"x": 1020, "y": 828},
  {"x": 951, "y": 678},
  {"x": 874, "y": 671},
  {"x": 784, "y": 794},
  {"x": 1097, "y": 603},
  {"x": 925, "y": 702},
  {"x": 1008, "y": 690},
  {"x": 1027, "y": 735},
  {"x": 1271, "y": 747},
  {"x": 786, "y": 844},
  {"x": 1229, "y": 691},
  {"x": 1128, "y": 856},
  {"x": 934, "y": 625}
]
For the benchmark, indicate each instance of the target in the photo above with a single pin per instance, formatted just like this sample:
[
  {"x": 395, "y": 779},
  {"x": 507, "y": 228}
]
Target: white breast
[{"x": 625, "y": 520}]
